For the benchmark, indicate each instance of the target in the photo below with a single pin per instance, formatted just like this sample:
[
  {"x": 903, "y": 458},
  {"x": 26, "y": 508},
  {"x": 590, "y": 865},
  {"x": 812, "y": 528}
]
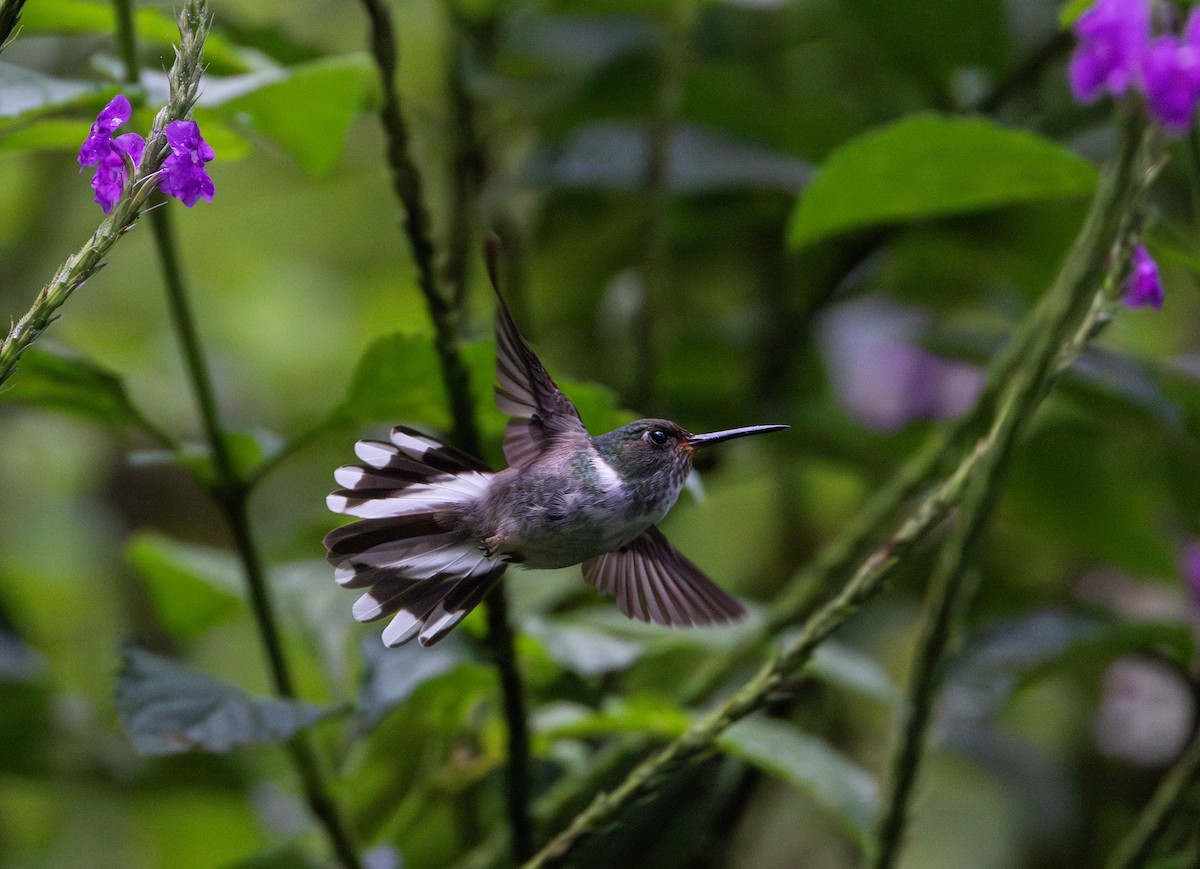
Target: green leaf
[
  {"x": 152, "y": 25},
  {"x": 74, "y": 385},
  {"x": 191, "y": 587},
  {"x": 392, "y": 675},
  {"x": 168, "y": 709},
  {"x": 639, "y": 713},
  {"x": 25, "y": 91},
  {"x": 585, "y": 650},
  {"x": 44, "y": 134},
  {"x": 848, "y": 668},
  {"x": 397, "y": 379},
  {"x": 810, "y": 764},
  {"x": 309, "y": 110},
  {"x": 929, "y": 166}
]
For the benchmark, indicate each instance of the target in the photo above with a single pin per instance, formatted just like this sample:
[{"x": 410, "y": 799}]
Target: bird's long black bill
[{"x": 703, "y": 440}]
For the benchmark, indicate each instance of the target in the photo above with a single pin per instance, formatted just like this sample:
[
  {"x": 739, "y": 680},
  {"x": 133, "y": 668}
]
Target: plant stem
[
  {"x": 229, "y": 489},
  {"x": 656, "y": 194},
  {"x": 231, "y": 495},
  {"x": 1051, "y": 329},
  {"x": 1135, "y": 848},
  {"x": 406, "y": 182},
  {"x": 184, "y": 78}
]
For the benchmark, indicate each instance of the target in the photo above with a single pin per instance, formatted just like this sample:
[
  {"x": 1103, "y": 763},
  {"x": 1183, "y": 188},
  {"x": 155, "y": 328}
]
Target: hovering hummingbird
[{"x": 438, "y": 528}]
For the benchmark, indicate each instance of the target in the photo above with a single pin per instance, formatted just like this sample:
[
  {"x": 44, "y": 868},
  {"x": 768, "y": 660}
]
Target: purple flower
[
  {"x": 1113, "y": 36},
  {"x": 1171, "y": 75},
  {"x": 104, "y": 152},
  {"x": 109, "y": 180},
  {"x": 98, "y": 143},
  {"x": 183, "y": 174},
  {"x": 1143, "y": 289}
]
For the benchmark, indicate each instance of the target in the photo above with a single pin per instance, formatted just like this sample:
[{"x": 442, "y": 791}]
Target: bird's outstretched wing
[
  {"x": 652, "y": 581},
  {"x": 540, "y": 412}
]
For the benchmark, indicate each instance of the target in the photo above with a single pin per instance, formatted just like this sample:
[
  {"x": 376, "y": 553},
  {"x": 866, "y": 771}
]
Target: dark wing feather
[
  {"x": 540, "y": 412},
  {"x": 652, "y": 581}
]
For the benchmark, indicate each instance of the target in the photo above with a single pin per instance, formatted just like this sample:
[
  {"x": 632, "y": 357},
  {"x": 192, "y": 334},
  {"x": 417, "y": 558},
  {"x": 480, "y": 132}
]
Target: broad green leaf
[
  {"x": 639, "y": 713},
  {"x": 585, "y": 650},
  {"x": 168, "y": 709},
  {"x": 397, "y": 379},
  {"x": 841, "y": 665},
  {"x": 191, "y": 587},
  {"x": 392, "y": 675},
  {"x": 309, "y": 111},
  {"x": 929, "y": 166},
  {"x": 75, "y": 385},
  {"x": 153, "y": 25},
  {"x": 44, "y": 134},
  {"x": 25, "y": 91},
  {"x": 812, "y": 765}
]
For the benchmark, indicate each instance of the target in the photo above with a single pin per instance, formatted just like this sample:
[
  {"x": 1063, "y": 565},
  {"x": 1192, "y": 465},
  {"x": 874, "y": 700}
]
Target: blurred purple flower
[
  {"x": 1171, "y": 74},
  {"x": 109, "y": 180},
  {"x": 183, "y": 174},
  {"x": 1143, "y": 289},
  {"x": 1113, "y": 37},
  {"x": 881, "y": 377}
]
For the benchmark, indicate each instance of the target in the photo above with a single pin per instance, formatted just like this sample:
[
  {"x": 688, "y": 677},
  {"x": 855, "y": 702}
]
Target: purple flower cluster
[
  {"x": 182, "y": 175},
  {"x": 1118, "y": 52}
]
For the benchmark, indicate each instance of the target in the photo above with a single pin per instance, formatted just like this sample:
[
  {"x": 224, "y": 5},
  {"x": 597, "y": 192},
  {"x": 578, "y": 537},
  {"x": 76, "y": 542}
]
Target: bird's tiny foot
[{"x": 491, "y": 545}]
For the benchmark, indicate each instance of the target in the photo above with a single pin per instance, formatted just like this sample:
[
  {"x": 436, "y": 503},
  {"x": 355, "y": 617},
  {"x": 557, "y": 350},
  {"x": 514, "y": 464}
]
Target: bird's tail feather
[{"x": 408, "y": 549}]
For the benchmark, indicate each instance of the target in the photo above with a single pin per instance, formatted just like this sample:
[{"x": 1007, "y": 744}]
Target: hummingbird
[{"x": 437, "y": 528}]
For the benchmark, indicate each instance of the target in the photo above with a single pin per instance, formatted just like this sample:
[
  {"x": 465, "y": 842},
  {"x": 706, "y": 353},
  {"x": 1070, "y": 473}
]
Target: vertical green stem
[
  {"x": 231, "y": 492},
  {"x": 655, "y": 227},
  {"x": 232, "y": 496},
  {"x": 407, "y": 185}
]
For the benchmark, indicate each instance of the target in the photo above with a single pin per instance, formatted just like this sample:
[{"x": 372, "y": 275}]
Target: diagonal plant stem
[
  {"x": 228, "y": 488},
  {"x": 74, "y": 272},
  {"x": 1052, "y": 329},
  {"x": 1134, "y": 850},
  {"x": 407, "y": 184},
  {"x": 951, "y": 587},
  {"x": 10, "y": 17}
]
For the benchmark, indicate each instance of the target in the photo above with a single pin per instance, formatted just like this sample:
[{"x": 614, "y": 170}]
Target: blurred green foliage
[{"x": 826, "y": 152}]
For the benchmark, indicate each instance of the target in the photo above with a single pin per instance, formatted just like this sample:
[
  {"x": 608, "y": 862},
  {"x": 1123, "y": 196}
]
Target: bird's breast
[{"x": 553, "y": 515}]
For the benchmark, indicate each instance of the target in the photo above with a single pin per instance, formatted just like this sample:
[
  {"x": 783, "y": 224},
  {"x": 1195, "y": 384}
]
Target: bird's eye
[{"x": 658, "y": 437}]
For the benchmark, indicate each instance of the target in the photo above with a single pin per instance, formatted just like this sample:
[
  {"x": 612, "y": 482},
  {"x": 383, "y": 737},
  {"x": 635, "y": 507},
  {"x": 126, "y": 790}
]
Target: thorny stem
[
  {"x": 228, "y": 488},
  {"x": 406, "y": 182},
  {"x": 1052, "y": 327}
]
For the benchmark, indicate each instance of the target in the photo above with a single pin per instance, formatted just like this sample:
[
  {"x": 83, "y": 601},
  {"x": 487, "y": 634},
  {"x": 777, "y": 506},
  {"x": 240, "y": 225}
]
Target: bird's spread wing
[
  {"x": 651, "y": 580},
  {"x": 539, "y": 410}
]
